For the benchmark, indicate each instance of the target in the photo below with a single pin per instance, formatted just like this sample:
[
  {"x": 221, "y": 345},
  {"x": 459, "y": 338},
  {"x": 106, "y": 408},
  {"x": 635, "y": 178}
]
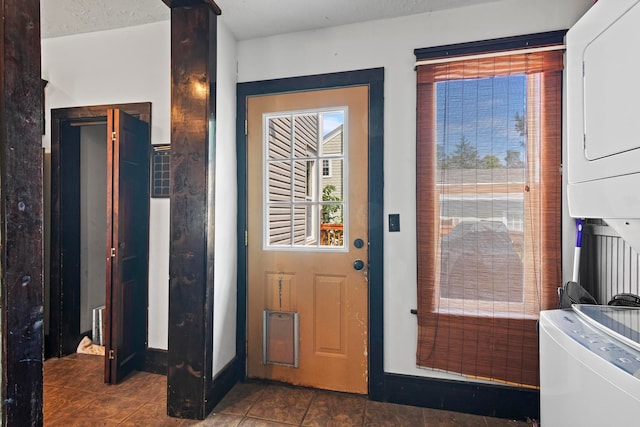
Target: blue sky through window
[
  {"x": 330, "y": 121},
  {"x": 483, "y": 111}
]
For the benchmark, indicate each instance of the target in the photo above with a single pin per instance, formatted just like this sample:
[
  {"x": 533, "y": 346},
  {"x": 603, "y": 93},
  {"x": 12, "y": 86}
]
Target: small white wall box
[{"x": 280, "y": 338}]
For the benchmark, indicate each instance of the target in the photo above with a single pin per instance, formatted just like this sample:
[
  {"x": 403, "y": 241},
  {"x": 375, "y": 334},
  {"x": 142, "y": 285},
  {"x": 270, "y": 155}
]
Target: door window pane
[
  {"x": 279, "y": 181},
  {"x": 306, "y": 129},
  {"x": 305, "y": 179},
  {"x": 333, "y": 130},
  {"x": 332, "y": 225},
  {"x": 279, "y": 226},
  {"x": 301, "y": 181},
  {"x": 279, "y": 137},
  {"x": 333, "y": 186}
]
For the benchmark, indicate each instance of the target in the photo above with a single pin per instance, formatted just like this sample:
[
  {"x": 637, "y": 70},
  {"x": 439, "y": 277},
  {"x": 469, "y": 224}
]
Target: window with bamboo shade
[{"x": 488, "y": 210}]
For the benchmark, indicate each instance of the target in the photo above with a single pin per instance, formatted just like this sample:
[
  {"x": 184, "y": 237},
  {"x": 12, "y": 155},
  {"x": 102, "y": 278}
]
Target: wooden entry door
[
  {"x": 307, "y": 238},
  {"x": 127, "y": 244}
]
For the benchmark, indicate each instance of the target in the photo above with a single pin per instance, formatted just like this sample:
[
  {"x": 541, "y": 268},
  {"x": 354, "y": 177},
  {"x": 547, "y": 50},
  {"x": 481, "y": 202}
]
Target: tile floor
[{"x": 74, "y": 395}]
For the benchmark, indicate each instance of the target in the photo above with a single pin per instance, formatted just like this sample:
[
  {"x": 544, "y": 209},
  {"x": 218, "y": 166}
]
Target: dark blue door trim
[{"x": 374, "y": 79}]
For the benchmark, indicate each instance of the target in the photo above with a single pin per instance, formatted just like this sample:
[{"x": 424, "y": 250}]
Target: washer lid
[{"x": 621, "y": 322}]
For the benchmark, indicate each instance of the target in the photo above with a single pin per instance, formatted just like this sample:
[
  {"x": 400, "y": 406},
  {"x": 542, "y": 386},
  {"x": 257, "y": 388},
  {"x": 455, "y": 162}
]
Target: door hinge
[
  {"x": 112, "y": 355},
  {"x": 113, "y": 252},
  {"x": 246, "y": 128},
  {"x": 246, "y": 238},
  {"x": 113, "y": 137}
]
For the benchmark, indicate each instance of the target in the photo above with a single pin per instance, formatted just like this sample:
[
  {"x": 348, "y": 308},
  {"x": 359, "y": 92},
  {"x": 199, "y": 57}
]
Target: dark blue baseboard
[
  {"x": 489, "y": 400},
  {"x": 473, "y": 398}
]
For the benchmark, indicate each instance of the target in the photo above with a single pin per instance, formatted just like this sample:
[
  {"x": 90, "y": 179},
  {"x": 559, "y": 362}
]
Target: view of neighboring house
[{"x": 306, "y": 207}]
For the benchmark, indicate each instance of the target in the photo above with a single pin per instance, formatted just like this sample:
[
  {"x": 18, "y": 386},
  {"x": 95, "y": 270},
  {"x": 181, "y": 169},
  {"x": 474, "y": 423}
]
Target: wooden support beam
[
  {"x": 189, "y": 3},
  {"x": 193, "y": 113},
  {"x": 21, "y": 213}
]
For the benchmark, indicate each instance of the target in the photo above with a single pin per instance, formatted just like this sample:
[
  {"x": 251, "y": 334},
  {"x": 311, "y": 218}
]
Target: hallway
[{"x": 75, "y": 395}]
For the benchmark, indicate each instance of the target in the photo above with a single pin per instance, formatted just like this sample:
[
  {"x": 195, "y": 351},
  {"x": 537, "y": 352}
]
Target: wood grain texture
[
  {"x": 374, "y": 79},
  {"x": 127, "y": 241},
  {"x": 193, "y": 74},
  {"x": 188, "y": 3},
  {"x": 21, "y": 165},
  {"x": 322, "y": 286}
]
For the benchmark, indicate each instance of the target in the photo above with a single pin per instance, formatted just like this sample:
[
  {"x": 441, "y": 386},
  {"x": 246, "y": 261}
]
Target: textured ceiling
[
  {"x": 65, "y": 17},
  {"x": 245, "y": 18}
]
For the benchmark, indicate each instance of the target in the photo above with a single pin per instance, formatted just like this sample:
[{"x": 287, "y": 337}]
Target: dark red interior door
[{"x": 127, "y": 244}]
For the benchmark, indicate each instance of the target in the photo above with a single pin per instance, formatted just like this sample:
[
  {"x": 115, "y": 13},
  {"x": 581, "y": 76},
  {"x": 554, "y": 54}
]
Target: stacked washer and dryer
[{"x": 590, "y": 354}]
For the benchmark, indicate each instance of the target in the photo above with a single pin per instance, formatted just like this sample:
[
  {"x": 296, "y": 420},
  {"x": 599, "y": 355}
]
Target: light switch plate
[{"x": 394, "y": 222}]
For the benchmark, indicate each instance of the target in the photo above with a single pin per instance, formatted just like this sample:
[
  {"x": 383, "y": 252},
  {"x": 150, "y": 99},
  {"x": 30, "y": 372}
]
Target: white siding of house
[
  {"x": 287, "y": 175},
  {"x": 334, "y": 145}
]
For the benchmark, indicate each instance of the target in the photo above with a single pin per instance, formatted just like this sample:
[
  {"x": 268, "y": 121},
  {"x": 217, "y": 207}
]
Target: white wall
[
  {"x": 225, "y": 285},
  {"x": 108, "y": 67},
  {"x": 390, "y": 44},
  {"x": 134, "y": 65},
  {"x": 121, "y": 66},
  {"x": 93, "y": 221}
]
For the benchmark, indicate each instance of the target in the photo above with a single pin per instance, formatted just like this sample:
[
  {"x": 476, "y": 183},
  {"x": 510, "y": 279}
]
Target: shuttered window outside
[
  {"x": 326, "y": 168},
  {"x": 488, "y": 210}
]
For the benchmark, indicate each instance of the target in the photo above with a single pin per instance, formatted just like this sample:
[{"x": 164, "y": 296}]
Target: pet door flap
[{"x": 280, "y": 338}]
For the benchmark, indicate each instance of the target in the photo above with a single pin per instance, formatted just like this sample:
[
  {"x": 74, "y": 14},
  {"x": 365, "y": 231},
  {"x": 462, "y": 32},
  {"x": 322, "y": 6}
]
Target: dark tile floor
[{"x": 74, "y": 395}]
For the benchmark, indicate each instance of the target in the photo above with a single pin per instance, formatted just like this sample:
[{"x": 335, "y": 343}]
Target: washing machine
[{"x": 590, "y": 367}]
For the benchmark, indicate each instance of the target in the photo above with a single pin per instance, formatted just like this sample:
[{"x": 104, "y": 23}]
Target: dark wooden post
[
  {"x": 193, "y": 113},
  {"x": 21, "y": 212}
]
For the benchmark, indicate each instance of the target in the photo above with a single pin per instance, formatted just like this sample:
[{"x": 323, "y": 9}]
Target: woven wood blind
[{"x": 488, "y": 232}]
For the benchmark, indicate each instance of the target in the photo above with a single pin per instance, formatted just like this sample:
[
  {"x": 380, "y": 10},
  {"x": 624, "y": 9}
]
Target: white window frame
[{"x": 317, "y": 191}]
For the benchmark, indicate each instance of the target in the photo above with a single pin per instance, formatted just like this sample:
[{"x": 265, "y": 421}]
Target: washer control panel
[{"x": 610, "y": 349}]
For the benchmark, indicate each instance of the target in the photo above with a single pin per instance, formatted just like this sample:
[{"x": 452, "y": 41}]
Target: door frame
[
  {"x": 374, "y": 79},
  {"x": 64, "y": 315}
]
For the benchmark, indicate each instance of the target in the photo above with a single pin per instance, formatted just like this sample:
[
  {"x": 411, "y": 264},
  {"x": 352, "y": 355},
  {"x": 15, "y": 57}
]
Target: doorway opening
[{"x": 98, "y": 233}]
